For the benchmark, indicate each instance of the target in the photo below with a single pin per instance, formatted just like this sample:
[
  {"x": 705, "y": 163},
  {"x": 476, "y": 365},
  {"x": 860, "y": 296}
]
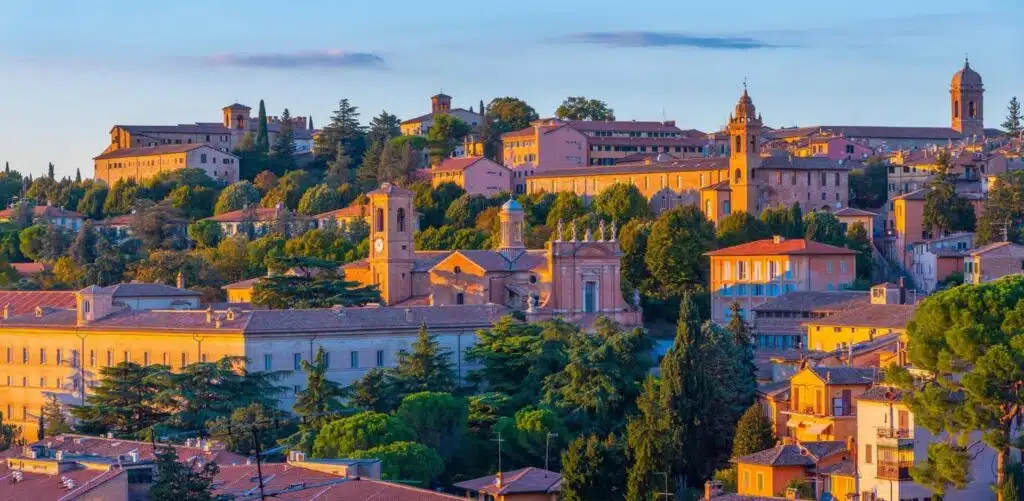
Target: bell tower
[
  {"x": 237, "y": 116},
  {"x": 966, "y": 101},
  {"x": 391, "y": 244},
  {"x": 745, "y": 127},
  {"x": 511, "y": 218}
]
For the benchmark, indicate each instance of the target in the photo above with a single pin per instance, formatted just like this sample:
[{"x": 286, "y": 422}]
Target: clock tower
[
  {"x": 391, "y": 244},
  {"x": 745, "y": 128}
]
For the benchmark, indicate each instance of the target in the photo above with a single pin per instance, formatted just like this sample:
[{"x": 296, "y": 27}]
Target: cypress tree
[
  {"x": 645, "y": 442},
  {"x": 753, "y": 433},
  {"x": 688, "y": 398},
  {"x": 311, "y": 123},
  {"x": 78, "y": 175},
  {"x": 49, "y": 171},
  {"x": 483, "y": 110},
  {"x": 7, "y": 167},
  {"x": 796, "y": 221},
  {"x": 262, "y": 135}
]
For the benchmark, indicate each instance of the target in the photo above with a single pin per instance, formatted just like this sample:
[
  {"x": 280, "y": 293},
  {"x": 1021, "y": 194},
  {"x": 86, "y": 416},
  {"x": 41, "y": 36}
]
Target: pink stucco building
[{"x": 476, "y": 175}]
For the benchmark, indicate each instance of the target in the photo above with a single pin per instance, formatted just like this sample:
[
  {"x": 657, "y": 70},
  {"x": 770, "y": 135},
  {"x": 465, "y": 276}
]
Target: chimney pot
[{"x": 778, "y": 239}]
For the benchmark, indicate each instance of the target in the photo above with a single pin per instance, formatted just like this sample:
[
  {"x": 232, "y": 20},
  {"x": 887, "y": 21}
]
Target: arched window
[
  {"x": 379, "y": 219},
  {"x": 401, "y": 220},
  {"x": 956, "y": 109},
  {"x": 739, "y": 144},
  {"x": 460, "y": 299},
  {"x": 738, "y": 175},
  {"x": 972, "y": 110},
  {"x": 457, "y": 269}
]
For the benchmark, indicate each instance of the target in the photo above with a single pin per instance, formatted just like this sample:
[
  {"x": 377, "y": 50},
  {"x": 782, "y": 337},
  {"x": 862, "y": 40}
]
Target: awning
[{"x": 792, "y": 423}]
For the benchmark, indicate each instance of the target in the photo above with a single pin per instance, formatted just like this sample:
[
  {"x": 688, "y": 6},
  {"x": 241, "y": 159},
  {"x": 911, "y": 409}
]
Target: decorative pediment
[{"x": 595, "y": 249}]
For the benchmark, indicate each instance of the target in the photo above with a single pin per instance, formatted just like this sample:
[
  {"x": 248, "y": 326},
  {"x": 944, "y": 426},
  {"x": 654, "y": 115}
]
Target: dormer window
[{"x": 85, "y": 306}]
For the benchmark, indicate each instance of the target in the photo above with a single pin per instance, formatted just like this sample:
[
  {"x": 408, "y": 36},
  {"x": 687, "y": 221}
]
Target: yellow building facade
[
  {"x": 886, "y": 315},
  {"x": 821, "y": 405},
  {"x": 143, "y": 163}
]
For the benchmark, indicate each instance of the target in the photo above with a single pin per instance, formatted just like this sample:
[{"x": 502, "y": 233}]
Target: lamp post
[{"x": 547, "y": 445}]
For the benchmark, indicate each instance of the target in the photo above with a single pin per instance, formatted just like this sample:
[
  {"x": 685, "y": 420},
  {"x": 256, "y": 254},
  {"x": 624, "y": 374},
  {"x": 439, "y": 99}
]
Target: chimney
[
  {"x": 903, "y": 290},
  {"x": 828, "y": 376},
  {"x": 408, "y": 315},
  {"x": 209, "y": 314},
  {"x": 220, "y": 319},
  {"x": 712, "y": 489},
  {"x": 498, "y": 480},
  {"x": 7, "y": 311},
  {"x": 180, "y": 282},
  {"x": 778, "y": 239}
]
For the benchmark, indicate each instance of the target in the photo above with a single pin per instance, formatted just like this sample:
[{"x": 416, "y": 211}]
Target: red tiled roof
[
  {"x": 769, "y": 247},
  {"x": 647, "y": 141},
  {"x": 255, "y": 214},
  {"x": 684, "y": 164},
  {"x": 244, "y": 284},
  {"x": 26, "y": 269},
  {"x": 991, "y": 247},
  {"x": 525, "y": 481},
  {"x": 81, "y": 445},
  {"x": 22, "y": 302},
  {"x": 850, "y": 211},
  {"x": 44, "y": 211},
  {"x": 456, "y": 164},
  {"x": 531, "y": 131},
  {"x": 44, "y": 487},
  {"x": 354, "y": 210},
  {"x": 152, "y": 150}
]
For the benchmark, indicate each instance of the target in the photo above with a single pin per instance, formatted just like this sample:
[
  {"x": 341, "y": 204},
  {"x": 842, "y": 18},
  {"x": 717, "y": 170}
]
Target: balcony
[
  {"x": 900, "y": 438},
  {"x": 894, "y": 470}
]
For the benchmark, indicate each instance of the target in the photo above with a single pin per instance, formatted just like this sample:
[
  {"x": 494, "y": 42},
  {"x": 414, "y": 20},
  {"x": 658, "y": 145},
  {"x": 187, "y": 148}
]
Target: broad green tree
[
  {"x": 251, "y": 425},
  {"x": 237, "y": 196},
  {"x": 383, "y": 127},
  {"x": 869, "y": 187},
  {"x": 282, "y": 155},
  {"x": 946, "y": 211},
  {"x": 581, "y": 108},
  {"x": 438, "y": 420},
  {"x": 406, "y": 462},
  {"x": 515, "y": 358},
  {"x": 1004, "y": 210},
  {"x": 566, "y": 207},
  {"x": 675, "y": 250},
  {"x": 91, "y": 204},
  {"x": 362, "y": 431},
  {"x": 205, "y": 391},
  {"x": 444, "y": 136},
  {"x": 753, "y": 433},
  {"x": 55, "y": 417},
  {"x": 622, "y": 202},
  {"x": 318, "y": 200},
  {"x": 824, "y": 227},
  {"x": 205, "y": 233},
  {"x": 740, "y": 228},
  {"x": 858, "y": 240}
]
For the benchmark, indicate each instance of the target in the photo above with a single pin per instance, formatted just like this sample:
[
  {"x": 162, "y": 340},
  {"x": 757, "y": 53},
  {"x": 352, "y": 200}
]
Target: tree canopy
[{"x": 581, "y": 108}]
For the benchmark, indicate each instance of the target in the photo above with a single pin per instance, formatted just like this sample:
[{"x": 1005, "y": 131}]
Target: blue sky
[{"x": 70, "y": 69}]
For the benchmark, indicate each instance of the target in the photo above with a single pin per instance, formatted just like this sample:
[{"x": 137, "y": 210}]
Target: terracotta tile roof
[
  {"x": 885, "y": 316},
  {"x": 388, "y": 188},
  {"x": 845, "y": 468},
  {"x": 490, "y": 260},
  {"x": 813, "y": 301},
  {"x": 531, "y": 131},
  {"x": 42, "y": 487},
  {"x": 792, "y": 454},
  {"x": 360, "y": 490},
  {"x": 769, "y": 247},
  {"x": 647, "y": 157},
  {"x": 23, "y": 302},
  {"x": 126, "y": 220},
  {"x": 846, "y": 375},
  {"x": 371, "y": 317},
  {"x": 882, "y": 393},
  {"x": 743, "y": 497},
  {"x": 684, "y": 164},
  {"x": 719, "y": 186},
  {"x": 354, "y": 210},
  {"x": 776, "y": 388},
  {"x": 528, "y": 480},
  {"x": 111, "y": 448},
  {"x": 261, "y": 214},
  {"x": 456, "y": 164},
  {"x": 126, "y": 318},
  {"x": 152, "y": 150},
  {"x": 991, "y": 247},
  {"x": 787, "y": 162},
  {"x": 49, "y": 211},
  {"x": 26, "y": 269},
  {"x": 133, "y": 289},
  {"x": 647, "y": 141},
  {"x": 850, "y": 211}
]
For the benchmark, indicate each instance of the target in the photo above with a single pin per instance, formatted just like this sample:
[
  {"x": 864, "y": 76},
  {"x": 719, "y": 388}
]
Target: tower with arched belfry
[
  {"x": 745, "y": 128},
  {"x": 966, "y": 101}
]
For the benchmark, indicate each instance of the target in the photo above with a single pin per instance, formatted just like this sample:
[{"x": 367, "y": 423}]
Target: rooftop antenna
[{"x": 744, "y": 84}]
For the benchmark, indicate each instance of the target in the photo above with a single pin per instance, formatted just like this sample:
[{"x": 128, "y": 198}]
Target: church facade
[{"x": 576, "y": 277}]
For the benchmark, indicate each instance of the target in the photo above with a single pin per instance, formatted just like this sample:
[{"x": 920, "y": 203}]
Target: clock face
[{"x": 378, "y": 244}]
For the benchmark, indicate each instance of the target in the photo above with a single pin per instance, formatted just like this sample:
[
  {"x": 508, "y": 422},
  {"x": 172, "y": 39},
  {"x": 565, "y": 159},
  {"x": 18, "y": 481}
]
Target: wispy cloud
[
  {"x": 667, "y": 39},
  {"x": 332, "y": 58}
]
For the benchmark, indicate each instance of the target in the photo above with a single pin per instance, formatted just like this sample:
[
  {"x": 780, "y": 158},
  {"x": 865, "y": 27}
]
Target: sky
[{"x": 71, "y": 69}]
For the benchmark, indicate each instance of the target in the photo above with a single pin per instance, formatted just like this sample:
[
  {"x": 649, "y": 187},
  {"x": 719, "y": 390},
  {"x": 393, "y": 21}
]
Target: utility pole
[
  {"x": 259, "y": 466},
  {"x": 499, "y": 440},
  {"x": 547, "y": 445},
  {"x": 664, "y": 493}
]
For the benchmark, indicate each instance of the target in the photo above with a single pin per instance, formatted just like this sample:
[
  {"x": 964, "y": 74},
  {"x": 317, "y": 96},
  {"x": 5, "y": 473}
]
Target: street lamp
[{"x": 547, "y": 445}]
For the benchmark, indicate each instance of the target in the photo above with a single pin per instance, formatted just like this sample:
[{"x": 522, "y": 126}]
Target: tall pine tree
[
  {"x": 646, "y": 443},
  {"x": 1014, "y": 123},
  {"x": 78, "y": 175},
  {"x": 428, "y": 367},
  {"x": 322, "y": 397},
  {"x": 283, "y": 154}
]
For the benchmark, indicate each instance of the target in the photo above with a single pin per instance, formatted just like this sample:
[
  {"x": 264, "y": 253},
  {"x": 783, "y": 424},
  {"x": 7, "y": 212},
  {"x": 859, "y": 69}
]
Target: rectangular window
[
  {"x": 42, "y": 356},
  {"x": 10, "y": 355},
  {"x": 757, "y": 270},
  {"x": 760, "y": 482},
  {"x": 727, "y": 271},
  {"x": 92, "y": 358},
  {"x": 127, "y": 356},
  {"x": 746, "y": 479},
  {"x": 268, "y": 361},
  {"x": 145, "y": 358},
  {"x": 867, "y": 453},
  {"x": 354, "y": 359},
  {"x": 110, "y": 358},
  {"x": 741, "y": 290},
  {"x": 842, "y": 267},
  {"x": 59, "y": 358},
  {"x": 741, "y": 270},
  {"x": 380, "y": 358},
  {"x": 828, "y": 267},
  {"x": 297, "y": 361}
]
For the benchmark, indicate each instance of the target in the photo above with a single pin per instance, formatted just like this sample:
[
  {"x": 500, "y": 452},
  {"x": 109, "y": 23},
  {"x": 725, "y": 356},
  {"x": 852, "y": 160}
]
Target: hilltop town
[{"x": 489, "y": 303}]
